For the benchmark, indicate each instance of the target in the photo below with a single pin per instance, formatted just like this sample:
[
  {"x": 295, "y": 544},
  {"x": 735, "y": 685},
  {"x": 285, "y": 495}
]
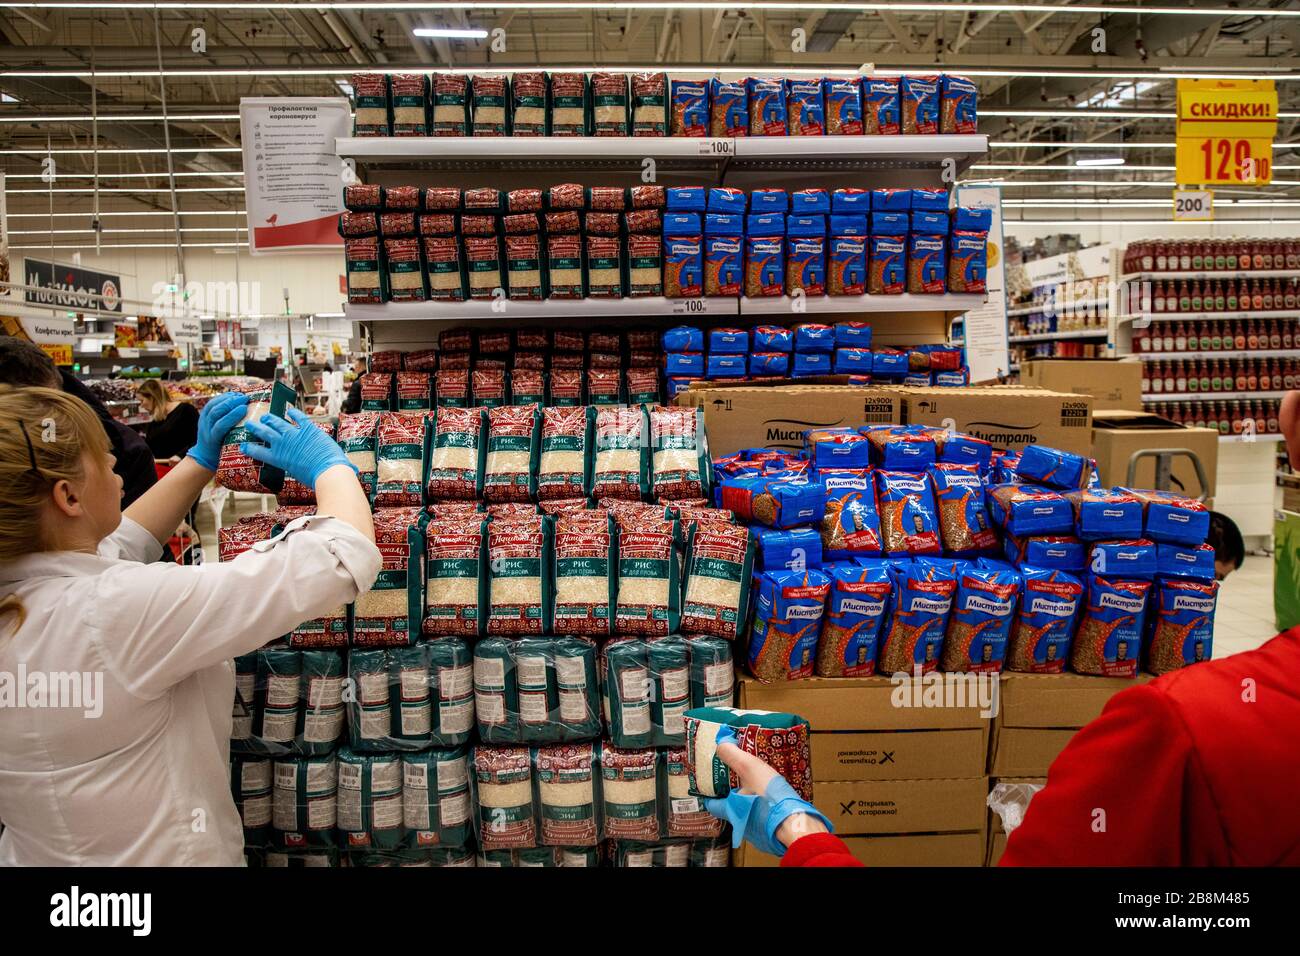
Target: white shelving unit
[
  {"x": 1221, "y": 274},
  {"x": 1061, "y": 308},
  {"x": 1193, "y": 356},
  {"x": 1207, "y": 396},
  {"x": 1057, "y": 336},
  {"x": 1250, "y": 439},
  {"x": 1141, "y": 320}
]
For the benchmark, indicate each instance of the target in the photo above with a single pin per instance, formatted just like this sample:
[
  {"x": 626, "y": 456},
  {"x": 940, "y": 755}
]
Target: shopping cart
[
  {"x": 1164, "y": 462},
  {"x": 184, "y": 547}
]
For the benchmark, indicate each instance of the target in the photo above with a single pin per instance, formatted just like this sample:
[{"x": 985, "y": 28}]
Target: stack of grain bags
[
  {"x": 533, "y": 557},
  {"x": 897, "y": 549}
]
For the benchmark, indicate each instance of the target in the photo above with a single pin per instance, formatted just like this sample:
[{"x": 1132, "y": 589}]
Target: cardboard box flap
[
  {"x": 866, "y": 704},
  {"x": 1113, "y": 419},
  {"x": 1058, "y": 700},
  {"x": 904, "y": 806},
  {"x": 899, "y": 754}
]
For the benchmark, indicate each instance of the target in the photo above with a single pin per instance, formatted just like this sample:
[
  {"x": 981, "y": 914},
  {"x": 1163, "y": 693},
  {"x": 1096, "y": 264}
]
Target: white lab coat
[{"x": 148, "y": 782}]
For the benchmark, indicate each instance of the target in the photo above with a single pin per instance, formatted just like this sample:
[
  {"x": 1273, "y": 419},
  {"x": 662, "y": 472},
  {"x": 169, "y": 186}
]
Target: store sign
[
  {"x": 293, "y": 177},
  {"x": 61, "y": 354},
  {"x": 43, "y": 331},
  {"x": 184, "y": 331},
  {"x": 72, "y": 287},
  {"x": 1193, "y": 205},
  {"x": 1225, "y": 132},
  {"x": 986, "y": 325}
]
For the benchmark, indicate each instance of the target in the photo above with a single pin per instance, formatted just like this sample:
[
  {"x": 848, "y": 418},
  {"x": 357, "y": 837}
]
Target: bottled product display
[
  {"x": 537, "y": 103},
  {"x": 1240, "y": 294},
  {"x": 407, "y": 244},
  {"x": 1215, "y": 335},
  {"x": 1211, "y": 255},
  {"x": 1229, "y": 417},
  {"x": 1177, "y": 378}
]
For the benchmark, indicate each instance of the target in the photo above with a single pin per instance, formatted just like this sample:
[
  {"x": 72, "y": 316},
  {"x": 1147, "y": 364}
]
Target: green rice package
[
  {"x": 649, "y": 599},
  {"x": 250, "y": 785},
  {"x": 783, "y": 741},
  {"x": 538, "y": 695},
  {"x": 503, "y": 783},
  {"x": 510, "y": 469},
  {"x": 565, "y": 460},
  {"x": 437, "y": 808},
  {"x": 719, "y": 568},
  {"x": 455, "y": 575},
  {"x": 568, "y": 794},
  {"x": 713, "y": 674},
  {"x": 630, "y": 793},
  {"x": 625, "y": 684},
  {"x": 287, "y": 702},
  {"x": 535, "y": 690},
  {"x": 520, "y": 575},
  {"x": 304, "y": 802},
  {"x": 390, "y": 614},
  {"x": 585, "y": 573},
  {"x": 667, "y": 854},
  {"x": 411, "y": 698},
  {"x": 370, "y": 800}
]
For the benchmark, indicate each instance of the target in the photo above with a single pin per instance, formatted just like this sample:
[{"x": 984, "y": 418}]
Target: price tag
[
  {"x": 690, "y": 306},
  {"x": 1193, "y": 205},
  {"x": 1224, "y": 160},
  {"x": 62, "y": 354},
  {"x": 717, "y": 147}
]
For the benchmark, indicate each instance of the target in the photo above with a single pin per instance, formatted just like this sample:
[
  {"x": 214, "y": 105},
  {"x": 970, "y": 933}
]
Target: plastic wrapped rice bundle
[
  {"x": 304, "y": 802},
  {"x": 713, "y": 677},
  {"x": 456, "y": 455},
  {"x": 389, "y": 614},
  {"x": 561, "y": 506},
  {"x": 507, "y": 817},
  {"x": 411, "y": 698},
  {"x": 783, "y": 741},
  {"x": 250, "y": 785},
  {"x": 719, "y": 567},
  {"x": 512, "y": 453},
  {"x": 519, "y": 566},
  {"x": 649, "y": 599},
  {"x": 664, "y": 855},
  {"x": 437, "y": 807},
  {"x": 567, "y": 794},
  {"x": 787, "y": 618},
  {"x": 565, "y": 462},
  {"x": 621, "y": 445},
  {"x": 681, "y": 465},
  {"x": 577, "y": 687},
  {"x": 584, "y": 573},
  {"x": 399, "y": 460},
  {"x": 629, "y": 793},
  {"x": 1023, "y": 510},
  {"x": 278, "y": 858},
  {"x": 626, "y": 689},
  {"x": 455, "y": 575},
  {"x": 287, "y": 701},
  {"x": 685, "y": 816},
  {"x": 370, "y": 799}
]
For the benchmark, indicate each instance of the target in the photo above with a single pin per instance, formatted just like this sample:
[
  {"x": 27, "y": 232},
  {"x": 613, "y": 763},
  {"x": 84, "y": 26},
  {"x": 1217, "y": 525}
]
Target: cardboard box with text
[
  {"x": 1112, "y": 383},
  {"x": 1009, "y": 416}
]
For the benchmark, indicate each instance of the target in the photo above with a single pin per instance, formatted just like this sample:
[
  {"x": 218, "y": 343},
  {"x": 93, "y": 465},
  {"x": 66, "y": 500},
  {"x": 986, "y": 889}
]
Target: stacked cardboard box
[{"x": 903, "y": 785}]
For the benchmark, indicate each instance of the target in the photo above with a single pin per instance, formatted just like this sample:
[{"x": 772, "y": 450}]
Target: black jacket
[
  {"x": 134, "y": 459},
  {"x": 352, "y": 404}
]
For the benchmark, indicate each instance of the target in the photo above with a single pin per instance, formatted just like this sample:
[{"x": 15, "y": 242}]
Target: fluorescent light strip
[
  {"x": 118, "y": 151},
  {"x": 139, "y": 245},
  {"x": 121, "y": 118},
  {"x": 449, "y": 34},
  {"x": 124, "y": 189},
  {"x": 118, "y": 232},
  {"x": 625, "y": 5},
  {"x": 233, "y": 174},
  {"x": 128, "y": 212},
  {"x": 1057, "y": 223}
]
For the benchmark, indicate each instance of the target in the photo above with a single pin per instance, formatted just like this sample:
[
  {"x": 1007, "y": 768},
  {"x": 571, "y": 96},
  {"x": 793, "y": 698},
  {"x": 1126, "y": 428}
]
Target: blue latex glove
[
  {"x": 218, "y": 416},
  {"x": 757, "y": 817},
  {"x": 297, "y": 447}
]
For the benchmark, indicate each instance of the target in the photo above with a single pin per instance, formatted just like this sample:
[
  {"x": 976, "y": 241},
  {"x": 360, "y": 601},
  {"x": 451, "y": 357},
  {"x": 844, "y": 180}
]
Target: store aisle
[{"x": 1245, "y": 616}]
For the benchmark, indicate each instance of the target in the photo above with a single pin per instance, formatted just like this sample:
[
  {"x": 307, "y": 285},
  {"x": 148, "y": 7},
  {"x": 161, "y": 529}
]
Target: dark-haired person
[
  {"x": 23, "y": 363},
  {"x": 1229, "y": 546}
]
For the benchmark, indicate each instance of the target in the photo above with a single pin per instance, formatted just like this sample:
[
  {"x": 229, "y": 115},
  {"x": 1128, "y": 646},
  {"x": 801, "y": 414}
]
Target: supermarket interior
[{"x": 649, "y": 434}]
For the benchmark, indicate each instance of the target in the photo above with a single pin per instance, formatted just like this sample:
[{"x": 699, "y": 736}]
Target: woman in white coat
[{"x": 115, "y": 721}]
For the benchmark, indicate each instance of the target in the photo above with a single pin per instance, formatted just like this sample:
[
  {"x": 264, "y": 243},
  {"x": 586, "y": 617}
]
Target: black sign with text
[{"x": 71, "y": 287}]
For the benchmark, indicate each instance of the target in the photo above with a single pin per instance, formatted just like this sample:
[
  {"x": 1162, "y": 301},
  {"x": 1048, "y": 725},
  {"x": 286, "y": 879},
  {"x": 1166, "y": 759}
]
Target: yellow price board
[
  {"x": 62, "y": 354},
  {"x": 1225, "y": 132}
]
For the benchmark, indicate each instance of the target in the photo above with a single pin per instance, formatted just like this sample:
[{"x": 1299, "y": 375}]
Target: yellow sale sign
[
  {"x": 61, "y": 354},
  {"x": 1225, "y": 132}
]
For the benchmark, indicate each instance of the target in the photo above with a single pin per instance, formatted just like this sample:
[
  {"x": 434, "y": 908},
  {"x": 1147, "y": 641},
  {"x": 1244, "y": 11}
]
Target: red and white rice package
[
  {"x": 648, "y": 575},
  {"x": 509, "y": 473},
  {"x": 680, "y": 467},
  {"x": 519, "y": 574},
  {"x": 621, "y": 447},
  {"x": 456, "y": 450},
  {"x": 719, "y": 567},
  {"x": 233, "y": 540},
  {"x": 584, "y": 574},
  {"x": 356, "y": 436},
  {"x": 399, "y": 461},
  {"x": 235, "y": 470},
  {"x": 455, "y": 575},
  {"x": 564, "y": 464}
]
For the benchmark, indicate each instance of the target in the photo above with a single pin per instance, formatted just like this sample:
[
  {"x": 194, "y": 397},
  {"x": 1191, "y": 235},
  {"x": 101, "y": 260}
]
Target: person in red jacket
[{"x": 1200, "y": 767}]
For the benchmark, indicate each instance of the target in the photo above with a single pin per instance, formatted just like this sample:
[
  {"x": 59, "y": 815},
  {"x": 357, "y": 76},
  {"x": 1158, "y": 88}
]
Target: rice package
[
  {"x": 629, "y": 793},
  {"x": 968, "y": 262},
  {"x": 983, "y": 610},
  {"x": 649, "y": 92},
  {"x": 689, "y": 108},
  {"x": 922, "y": 599},
  {"x": 768, "y": 110},
  {"x": 569, "y": 103},
  {"x": 963, "y": 514},
  {"x": 304, "y": 802},
  {"x": 782, "y": 741},
  {"x": 728, "y": 108},
  {"x": 787, "y": 619},
  {"x": 855, "y": 610},
  {"x": 851, "y": 524},
  {"x": 1059, "y": 552},
  {"x": 621, "y": 454},
  {"x": 806, "y": 105},
  {"x": 399, "y": 461},
  {"x": 685, "y": 813},
  {"x": 456, "y": 455},
  {"x": 489, "y": 100},
  {"x": 609, "y": 104},
  {"x": 908, "y": 522},
  {"x": 680, "y": 464},
  {"x": 507, "y": 815},
  {"x": 455, "y": 575},
  {"x": 843, "y": 107},
  {"x": 436, "y": 802},
  {"x": 719, "y": 566},
  {"x": 967, "y": 450},
  {"x": 235, "y": 470},
  {"x": 919, "y": 103},
  {"x": 370, "y": 100},
  {"x": 356, "y": 436},
  {"x": 957, "y": 105},
  {"x": 519, "y": 575},
  {"x": 1053, "y": 468},
  {"x": 389, "y": 614},
  {"x": 649, "y": 598},
  {"x": 774, "y": 501},
  {"x": 1024, "y": 510},
  {"x": 642, "y": 386},
  {"x": 510, "y": 468},
  {"x": 1171, "y": 517},
  {"x": 1124, "y": 559},
  {"x": 902, "y": 449},
  {"x": 1183, "y": 631},
  {"x": 287, "y": 701},
  {"x": 370, "y": 799},
  {"x": 1109, "y": 637},
  {"x": 1186, "y": 561},
  {"x": 585, "y": 573},
  {"x": 568, "y": 787},
  {"x": 1045, "y": 621},
  {"x": 881, "y": 110},
  {"x": 564, "y": 467}
]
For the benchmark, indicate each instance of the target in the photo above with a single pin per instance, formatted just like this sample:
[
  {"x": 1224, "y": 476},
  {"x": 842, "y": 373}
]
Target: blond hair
[
  {"x": 44, "y": 436},
  {"x": 154, "y": 390}
]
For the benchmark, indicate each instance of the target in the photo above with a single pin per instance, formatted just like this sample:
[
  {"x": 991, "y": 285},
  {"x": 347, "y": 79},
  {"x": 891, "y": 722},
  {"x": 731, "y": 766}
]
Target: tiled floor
[{"x": 1244, "y": 619}]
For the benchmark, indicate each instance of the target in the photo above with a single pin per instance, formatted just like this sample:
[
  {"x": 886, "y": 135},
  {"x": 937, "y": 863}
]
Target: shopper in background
[
  {"x": 132, "y": 766},
  {"x": 23, "y": 363},
  {"x": 1229, "y": 546},
  {"x": 175, "y": 425},
  {"x": 352, "y": 402}
]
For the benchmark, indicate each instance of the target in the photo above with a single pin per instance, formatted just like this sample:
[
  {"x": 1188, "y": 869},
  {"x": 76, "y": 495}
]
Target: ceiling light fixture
[
  {"x": 446, "y": 33},
  {"x": 1115, "y": 160}
]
